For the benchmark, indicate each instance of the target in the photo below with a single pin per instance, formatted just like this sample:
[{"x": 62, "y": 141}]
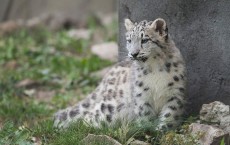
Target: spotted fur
[{"x": 151, "y": 83}]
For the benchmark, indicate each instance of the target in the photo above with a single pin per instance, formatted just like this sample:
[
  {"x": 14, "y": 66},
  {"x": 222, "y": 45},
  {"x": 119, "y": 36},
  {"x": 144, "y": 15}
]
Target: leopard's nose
[{"x": 134, "y": 54}]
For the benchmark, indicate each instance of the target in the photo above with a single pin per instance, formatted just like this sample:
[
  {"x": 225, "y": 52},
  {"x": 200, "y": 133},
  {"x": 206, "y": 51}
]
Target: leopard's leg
[{"x": 171, "y": 113}]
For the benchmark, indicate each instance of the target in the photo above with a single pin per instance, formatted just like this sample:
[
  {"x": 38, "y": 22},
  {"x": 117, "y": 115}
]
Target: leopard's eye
[
  {"x": 129, "y": 41},
  {"x": 144, "y": 41}
]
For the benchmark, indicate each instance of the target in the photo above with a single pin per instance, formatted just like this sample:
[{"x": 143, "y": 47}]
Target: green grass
[{"x": 55, "y": 62}]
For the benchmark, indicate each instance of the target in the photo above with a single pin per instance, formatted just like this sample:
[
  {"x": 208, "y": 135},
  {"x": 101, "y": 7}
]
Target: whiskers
[{"x": 141, "y": 57}]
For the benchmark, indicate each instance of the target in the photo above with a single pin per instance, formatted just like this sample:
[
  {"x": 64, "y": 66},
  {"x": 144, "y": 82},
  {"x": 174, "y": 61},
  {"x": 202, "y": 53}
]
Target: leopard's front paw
[
  {"x": 164, "y": 126},
  {"x": 60, "y": 119},
  {"x": 161, "y": 127}
]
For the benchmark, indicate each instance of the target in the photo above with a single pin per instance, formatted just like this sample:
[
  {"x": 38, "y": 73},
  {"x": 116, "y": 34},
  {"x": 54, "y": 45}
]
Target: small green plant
[
  {"x": 53, "y": 62},
  {"x": 181, "y": 137},
  {"x": 9, "y": 134},
  {"x": 222, "y": 142}
]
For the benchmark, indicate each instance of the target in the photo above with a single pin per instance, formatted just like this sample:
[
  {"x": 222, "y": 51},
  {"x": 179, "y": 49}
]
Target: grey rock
[
  {"x": 209, "y": 135},
  {"x": 213, "y": 112},
  {"x": 216, "y": 112},
  {"x": 138, "y": 142},
  {"x": 225, "y": 123},
  {"x": 26, "y": 83},
  {"x": 8, "y": 27},
  {"x": 106, "y": 51},
  {"x": 200, "y": 29},
  {"x": 79, "y": 33},
  {"x": 91, "y": 139},
  {"x": 108, "y": 18}
]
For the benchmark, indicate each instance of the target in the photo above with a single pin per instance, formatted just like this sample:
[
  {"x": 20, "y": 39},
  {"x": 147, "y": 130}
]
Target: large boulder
[
  {"x": 218, "y": 113},
  {"x": 200, "y": 29},
  {"x": 209, "y": 135}
]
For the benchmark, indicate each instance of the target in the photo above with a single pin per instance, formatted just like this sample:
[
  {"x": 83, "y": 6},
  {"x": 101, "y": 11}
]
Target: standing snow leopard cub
[{"x": 151, "y": 83}]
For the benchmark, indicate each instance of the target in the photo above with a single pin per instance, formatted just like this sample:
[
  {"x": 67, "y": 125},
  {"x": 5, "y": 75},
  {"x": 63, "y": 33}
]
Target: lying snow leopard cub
[{"x": 150, "y": 84}]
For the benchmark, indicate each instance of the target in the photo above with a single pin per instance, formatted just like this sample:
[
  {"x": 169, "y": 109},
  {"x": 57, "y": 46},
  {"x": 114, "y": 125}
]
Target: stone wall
[{"x": 201, "y": 30}]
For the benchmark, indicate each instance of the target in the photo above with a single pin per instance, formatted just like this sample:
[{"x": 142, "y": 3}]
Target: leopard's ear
[
  {"x": 129, "y": 24},
  {"x": 160, "y": 26}
]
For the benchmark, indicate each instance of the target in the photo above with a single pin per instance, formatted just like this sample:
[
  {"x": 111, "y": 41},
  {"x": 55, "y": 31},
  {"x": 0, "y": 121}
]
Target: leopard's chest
[
  {"x": 157, "y": 82},
  {"x": 154, "y": 86}
]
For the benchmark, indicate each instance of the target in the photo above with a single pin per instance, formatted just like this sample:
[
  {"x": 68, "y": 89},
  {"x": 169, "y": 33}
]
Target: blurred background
[
  {"x": 77, "y": 9},
  {"x": 52, "y": 54},
  {"x": 55, "y": 14}
]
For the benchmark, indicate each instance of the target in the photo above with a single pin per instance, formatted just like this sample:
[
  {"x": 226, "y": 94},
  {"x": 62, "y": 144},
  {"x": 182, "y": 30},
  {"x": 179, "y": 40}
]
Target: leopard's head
[{"x": 145, "y": 39}]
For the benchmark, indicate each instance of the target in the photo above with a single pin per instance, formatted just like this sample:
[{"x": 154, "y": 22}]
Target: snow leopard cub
[{"x": 151, "y": 83}]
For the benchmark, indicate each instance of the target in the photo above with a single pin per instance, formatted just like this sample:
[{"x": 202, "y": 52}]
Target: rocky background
[{"x": 76, "y": 9}]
